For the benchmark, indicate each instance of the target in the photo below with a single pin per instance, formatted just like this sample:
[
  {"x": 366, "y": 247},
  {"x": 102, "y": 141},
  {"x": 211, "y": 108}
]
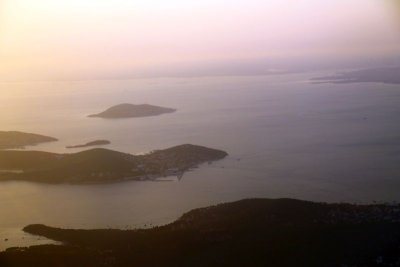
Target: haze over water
[{"x": 285, "y": 137}]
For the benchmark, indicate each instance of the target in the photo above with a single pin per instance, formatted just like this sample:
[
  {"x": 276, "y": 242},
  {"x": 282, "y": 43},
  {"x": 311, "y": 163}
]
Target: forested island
[
  {"x": 101, "y": 165},
  {"x": 92, "y": 143},
  {"x": 255, "y": 232},
  {"x": 132, "y": 111},
  {"x": 390, "y": 75},
  {"x": 15, "y": 139}
]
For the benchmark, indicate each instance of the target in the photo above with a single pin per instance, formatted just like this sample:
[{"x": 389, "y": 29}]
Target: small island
[
  {"x": 93, "y": 143},
  {"x": 15, "y": 139},
  {"x": 252, "y": 232},
  {"x": 132, "y": 111},
  {"x": 101, "y": 165}
]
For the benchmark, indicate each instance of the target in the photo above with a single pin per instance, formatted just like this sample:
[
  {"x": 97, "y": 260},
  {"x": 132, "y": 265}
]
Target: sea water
[{"x": 286, "y": 137}]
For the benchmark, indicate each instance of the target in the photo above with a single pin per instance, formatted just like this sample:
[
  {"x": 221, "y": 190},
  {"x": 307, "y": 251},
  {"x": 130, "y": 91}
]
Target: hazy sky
[{"x": 45, "y": 39}]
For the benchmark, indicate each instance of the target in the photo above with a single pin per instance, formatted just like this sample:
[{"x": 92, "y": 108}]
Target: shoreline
[{"x": 321, "y": 228}]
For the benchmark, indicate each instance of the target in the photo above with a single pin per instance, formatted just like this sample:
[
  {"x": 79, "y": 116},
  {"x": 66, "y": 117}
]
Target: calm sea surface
[{"x": 286, "y": 138}]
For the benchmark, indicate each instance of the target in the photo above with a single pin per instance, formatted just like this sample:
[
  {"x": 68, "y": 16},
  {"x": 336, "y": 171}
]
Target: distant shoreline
[
  {"x": 388, "y": 75},
  {"x": 92, "y": 143}
]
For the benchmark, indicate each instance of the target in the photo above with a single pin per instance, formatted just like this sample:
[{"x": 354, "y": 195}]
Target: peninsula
[
  {"x": 93, "y": 143},
  {"x": 254, "y": 232},
  {"x": 14, "y": 139},
  {"x": 132, "y": 111},
  {"x": 101, "y": 165}
]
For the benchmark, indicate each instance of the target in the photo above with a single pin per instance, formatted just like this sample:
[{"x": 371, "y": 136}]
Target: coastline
[{"x": 331, "y": 231}]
